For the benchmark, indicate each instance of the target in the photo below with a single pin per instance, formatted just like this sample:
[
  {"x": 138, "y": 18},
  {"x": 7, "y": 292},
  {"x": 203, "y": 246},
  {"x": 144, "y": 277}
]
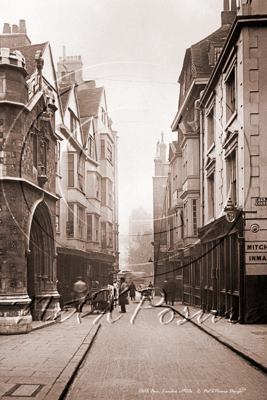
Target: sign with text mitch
[{"x": 256, "y": 258}]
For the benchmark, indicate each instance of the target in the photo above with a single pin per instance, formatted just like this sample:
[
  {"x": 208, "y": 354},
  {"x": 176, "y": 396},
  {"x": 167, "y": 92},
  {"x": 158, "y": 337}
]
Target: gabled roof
[
  {"x": 199, "y": 53},
  {"x": 89, "y": 101},
  {"x": 85, "y": 125},
  {"x": 29, "y": 53},
  {"x": 64, "y": 93}
]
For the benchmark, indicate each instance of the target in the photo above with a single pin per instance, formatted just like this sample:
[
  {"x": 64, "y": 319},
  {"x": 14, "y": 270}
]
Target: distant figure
[
  {"x": 150, "y": 287},
  {"x": 123, "y": 295},
  {"x": 169, "y": 288},
  {"x": 116, "y": 293},
  {"x": 132, "y": 291}
]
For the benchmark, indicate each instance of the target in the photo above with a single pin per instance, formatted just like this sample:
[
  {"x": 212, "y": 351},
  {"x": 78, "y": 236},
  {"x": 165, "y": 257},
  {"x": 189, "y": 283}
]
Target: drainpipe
[
  {"x": 201, "y": 162},
  {"x": 241, "y": 252},
  {"x": 201, "y": 191}
]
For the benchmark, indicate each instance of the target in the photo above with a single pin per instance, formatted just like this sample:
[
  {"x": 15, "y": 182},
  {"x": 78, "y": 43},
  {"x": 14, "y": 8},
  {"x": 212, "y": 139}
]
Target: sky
[{"x": 135, "y": 48}]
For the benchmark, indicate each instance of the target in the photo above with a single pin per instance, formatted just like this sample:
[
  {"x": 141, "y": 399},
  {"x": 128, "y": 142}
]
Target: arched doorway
[{"x": 40, "y": 265}]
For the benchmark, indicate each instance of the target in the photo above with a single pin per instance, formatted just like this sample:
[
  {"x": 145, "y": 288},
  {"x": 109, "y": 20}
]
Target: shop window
[{"x": 70, "y": 170}]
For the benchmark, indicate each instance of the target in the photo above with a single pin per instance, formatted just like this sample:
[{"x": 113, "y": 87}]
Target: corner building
[
  {"x": 27, "y": 192},
  {"x": 219, "y": 193}
]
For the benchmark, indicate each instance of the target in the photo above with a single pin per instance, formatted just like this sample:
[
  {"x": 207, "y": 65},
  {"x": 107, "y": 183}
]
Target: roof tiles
[{"x": 29, "y": 53}]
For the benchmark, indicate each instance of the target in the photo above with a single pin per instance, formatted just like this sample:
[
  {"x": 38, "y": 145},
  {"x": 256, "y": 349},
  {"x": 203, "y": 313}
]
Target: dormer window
[{"x": 214, "y": 53}]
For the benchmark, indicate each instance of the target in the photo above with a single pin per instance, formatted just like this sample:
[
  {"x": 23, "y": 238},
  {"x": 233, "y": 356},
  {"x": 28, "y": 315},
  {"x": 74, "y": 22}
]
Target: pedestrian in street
[
  {"x": 132, "y": 291},
  {"x": 169, "y": 288},
  {"x": 116, "y": 293},
  {"x": 123, "y": 295}
]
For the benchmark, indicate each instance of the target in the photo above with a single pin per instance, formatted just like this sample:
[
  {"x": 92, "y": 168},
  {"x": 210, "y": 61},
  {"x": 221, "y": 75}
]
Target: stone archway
[{"x": 41, "y": 259}]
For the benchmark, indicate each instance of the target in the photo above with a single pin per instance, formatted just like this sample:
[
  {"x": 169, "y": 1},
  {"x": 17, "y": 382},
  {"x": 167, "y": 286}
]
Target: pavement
[{"x": 42, "y": 364}]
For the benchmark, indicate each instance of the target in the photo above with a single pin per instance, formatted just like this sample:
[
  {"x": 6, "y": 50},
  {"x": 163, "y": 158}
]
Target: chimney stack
[
  {"x": 233, "y": 5},
  {"x": 7, "y": 28},
  {"x": 228, "y": 16},
  {"x": 226, "y": 5},
  {"x": 22, "y": 26},
  {"x": 15, "y": 29}
]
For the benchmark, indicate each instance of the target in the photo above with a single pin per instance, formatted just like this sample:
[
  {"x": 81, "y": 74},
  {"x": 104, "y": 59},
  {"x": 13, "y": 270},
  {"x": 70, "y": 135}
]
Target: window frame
[
  {"x": 70, "y": 229},
  {"x": 71, "y": 172},
  {"x": 230, "y": 79}
]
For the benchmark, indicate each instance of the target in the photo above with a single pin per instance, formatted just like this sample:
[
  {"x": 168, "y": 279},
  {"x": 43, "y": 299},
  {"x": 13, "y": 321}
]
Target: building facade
[
  {"x": 87, "y": 180},
  {"x": 160, "y": 179},
  {"x": 218, "y": 173},
  {"x": 58, "y": 193},
  {"x": 28, "y": 108}
]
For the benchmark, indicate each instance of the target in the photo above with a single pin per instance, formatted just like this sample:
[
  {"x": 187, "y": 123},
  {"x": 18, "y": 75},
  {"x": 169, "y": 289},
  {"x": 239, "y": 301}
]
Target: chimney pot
[
  {"x": 79, "y": 57},
  {"x": 15, "y": 29},
  {"x": 225, "y": 5},
  {"x": 7, "y": 28},
  {"x": 233, "y": 5},
  {"x": 64, "y": 53},
  {"x": 22, "y": 26}
]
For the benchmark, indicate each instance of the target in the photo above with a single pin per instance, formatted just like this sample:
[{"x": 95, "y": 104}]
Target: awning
[
  {"x": 186, "y": 252},
  {"x": 93, "y": 255}
]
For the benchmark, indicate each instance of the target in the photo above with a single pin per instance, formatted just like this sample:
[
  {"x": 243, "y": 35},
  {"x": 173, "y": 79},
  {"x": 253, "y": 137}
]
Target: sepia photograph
[{"x": 133, "y": 199}]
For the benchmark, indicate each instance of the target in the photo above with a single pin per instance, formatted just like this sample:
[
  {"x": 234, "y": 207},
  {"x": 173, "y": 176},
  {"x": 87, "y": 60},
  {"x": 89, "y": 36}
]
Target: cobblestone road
[{"x": 150, "y": 361}]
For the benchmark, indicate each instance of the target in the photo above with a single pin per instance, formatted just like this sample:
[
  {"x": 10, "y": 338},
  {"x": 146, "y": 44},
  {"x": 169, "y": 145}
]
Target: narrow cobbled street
[{"x": 150, "y": 361}]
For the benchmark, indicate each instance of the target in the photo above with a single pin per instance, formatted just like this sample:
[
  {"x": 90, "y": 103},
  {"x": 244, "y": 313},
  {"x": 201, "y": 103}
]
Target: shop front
[{"x": 221, "y": 277}]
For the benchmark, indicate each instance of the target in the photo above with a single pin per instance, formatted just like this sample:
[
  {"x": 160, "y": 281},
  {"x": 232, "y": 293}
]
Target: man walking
[{"x": 123, "y": 295}]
